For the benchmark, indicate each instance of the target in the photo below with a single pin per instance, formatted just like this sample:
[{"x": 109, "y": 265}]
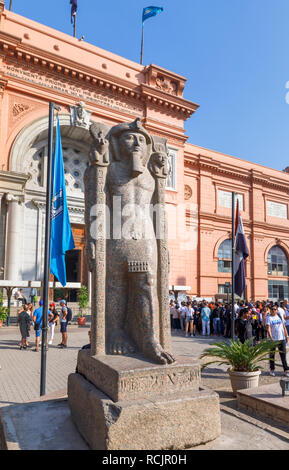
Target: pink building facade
[{"x": 38, "y": 65}]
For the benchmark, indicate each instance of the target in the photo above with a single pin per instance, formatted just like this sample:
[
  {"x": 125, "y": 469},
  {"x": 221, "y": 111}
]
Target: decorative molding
[
  {"x": 188, "y": 192},
  {"x": 19, "y": 108},
  {"x": 80, "y": 117},
  {"x": 164, "y": 89},
  {"x": 3, "y": 85},
  {"x": 164, "y": 80},
  {"x": 249, "y": 177}
]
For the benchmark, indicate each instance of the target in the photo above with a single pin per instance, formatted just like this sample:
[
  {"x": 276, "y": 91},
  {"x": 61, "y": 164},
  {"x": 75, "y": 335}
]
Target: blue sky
[{"x": 234, "y": 53}]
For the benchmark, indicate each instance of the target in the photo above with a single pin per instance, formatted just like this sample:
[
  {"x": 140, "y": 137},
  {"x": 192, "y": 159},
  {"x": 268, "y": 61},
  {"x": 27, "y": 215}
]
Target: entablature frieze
[
  {"x": 152, "y": 94},
  {"x": 248, "y": 177}
]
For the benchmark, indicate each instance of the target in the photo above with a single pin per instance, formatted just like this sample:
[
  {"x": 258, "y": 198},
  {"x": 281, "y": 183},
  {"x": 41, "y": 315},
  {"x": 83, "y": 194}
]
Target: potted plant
[
  {"x": 83, "y": 302},
  {"x": 3, "y": 311},
  {"x": 243, "y": 359}
]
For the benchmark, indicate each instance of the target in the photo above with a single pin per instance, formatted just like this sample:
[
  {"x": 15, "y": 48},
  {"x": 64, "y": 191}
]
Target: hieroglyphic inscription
[
  {"x": 160, "y": 382},
  {"x": 71, "y": 88}
]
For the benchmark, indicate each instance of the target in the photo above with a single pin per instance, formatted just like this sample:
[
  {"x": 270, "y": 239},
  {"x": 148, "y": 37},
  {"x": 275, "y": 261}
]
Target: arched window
[
  {"x": 225, "y": 257},
  {"x": 277, "y": 262}
]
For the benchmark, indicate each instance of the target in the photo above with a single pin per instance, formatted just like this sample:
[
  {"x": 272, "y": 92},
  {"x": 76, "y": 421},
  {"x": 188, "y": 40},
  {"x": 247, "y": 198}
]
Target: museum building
[{"x": 38, "y": 65}]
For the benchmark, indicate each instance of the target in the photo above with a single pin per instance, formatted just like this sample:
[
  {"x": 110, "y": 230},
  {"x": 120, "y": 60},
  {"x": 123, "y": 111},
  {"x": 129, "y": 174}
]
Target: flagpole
[
  {"x": 233, "y": 267},
  {"x": 10, "y": 6},
  {"x": 47, "y": 250},
  {"x": 142, "y": 41},
  {"x": 74, "y": 26}
]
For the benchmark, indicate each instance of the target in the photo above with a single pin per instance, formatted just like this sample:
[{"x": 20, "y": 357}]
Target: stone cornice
[
  {"x": 249, "y": 176},
  {"x": 19, "y": 178},
  {"x": 150, "y": 93}
]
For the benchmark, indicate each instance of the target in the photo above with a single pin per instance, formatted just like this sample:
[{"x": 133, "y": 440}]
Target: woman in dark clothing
[
  {"x": 24, "y": 321},
  {"x": 244, "y": 326},
  {"x": 227, "y": 321}
]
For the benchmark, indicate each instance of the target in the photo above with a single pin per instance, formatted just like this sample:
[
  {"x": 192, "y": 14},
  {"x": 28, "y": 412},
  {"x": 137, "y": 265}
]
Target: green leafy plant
[
  {"x": 83, "y": 300},
  {"x": 3, "y": 310},
  {"x": 241, "y": 357}
]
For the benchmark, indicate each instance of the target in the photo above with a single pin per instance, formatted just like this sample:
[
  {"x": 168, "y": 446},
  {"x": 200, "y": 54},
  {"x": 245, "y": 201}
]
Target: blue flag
[
  {"x": 61, "y": 234},
  {"x": 73, "y": 9},
  {"x": 148, "y": 12}
]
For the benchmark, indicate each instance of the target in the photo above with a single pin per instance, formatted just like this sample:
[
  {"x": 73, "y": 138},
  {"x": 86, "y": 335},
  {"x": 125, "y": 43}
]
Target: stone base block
[
  {"x": 130, "y": 378},
  {"x": 266, "y": 401},
  {"x": 176, "y": 421}
]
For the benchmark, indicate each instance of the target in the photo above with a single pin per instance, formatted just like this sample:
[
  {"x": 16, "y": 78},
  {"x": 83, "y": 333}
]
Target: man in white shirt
[
  {"x": 277, "y": 331},
  {"x": 281, "y": 310},
  {"x": 181, "y": 311}
]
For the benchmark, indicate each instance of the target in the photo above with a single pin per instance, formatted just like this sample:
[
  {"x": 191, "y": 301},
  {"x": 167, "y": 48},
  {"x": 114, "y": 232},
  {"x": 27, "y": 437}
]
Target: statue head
[{"x": 131, "y": 143}]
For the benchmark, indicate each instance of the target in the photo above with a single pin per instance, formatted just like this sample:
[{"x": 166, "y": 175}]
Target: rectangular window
[
  {"x": 278, "y": 290},
  {"x": 275, "y": 209},
  {"x": 225, "y": 199},
  {"x": 172, "y": 178},
  {"x": 223, "y": 289},
  {"x": 224, "y": 266}
]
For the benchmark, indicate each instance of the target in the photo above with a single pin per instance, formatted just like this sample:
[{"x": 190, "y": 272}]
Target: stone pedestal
[{"x": 128, "y": 403}]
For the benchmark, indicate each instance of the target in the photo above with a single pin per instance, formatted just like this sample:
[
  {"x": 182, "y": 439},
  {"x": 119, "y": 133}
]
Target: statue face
[{"x": 133, "y": 147}]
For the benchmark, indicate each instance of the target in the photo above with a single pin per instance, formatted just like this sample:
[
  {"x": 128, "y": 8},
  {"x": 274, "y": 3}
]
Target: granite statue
[{"x": 127, "y": 247}]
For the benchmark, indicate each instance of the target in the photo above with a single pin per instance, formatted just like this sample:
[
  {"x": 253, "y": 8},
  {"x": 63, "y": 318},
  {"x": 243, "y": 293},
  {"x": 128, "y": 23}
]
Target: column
[
  {"x": 2, "y": 235},
  {"x": 13, "y": 236}
]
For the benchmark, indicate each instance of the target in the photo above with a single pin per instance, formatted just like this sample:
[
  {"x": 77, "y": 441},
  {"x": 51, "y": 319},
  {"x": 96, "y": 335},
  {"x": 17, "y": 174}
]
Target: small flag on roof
[
  {"x": 148, "y": 12},
  {"x": 73, "y": 9}
]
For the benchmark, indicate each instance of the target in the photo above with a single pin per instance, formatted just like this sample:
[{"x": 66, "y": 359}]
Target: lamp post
[{"x": 10, "y": 6}]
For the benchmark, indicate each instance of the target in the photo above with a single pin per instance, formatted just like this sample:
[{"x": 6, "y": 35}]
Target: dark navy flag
[
  {"x": 61, "y": 233},
  {"x": 241, "y": 253},
  {"x": 73, "y": 9},
  {"x": 148, "y": 12}
]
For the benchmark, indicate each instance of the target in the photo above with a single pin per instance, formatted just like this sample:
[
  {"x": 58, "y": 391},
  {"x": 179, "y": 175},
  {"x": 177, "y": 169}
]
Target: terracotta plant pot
[
  {"x": 81, "y": 321},
  {"x": 242, "y": 380},
  {"x": 1, "y": 323}
]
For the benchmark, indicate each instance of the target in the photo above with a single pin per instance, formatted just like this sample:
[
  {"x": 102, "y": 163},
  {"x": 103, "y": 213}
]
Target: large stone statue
[
  {"x": 126, "y": 241},
  {"x": 128, "y": 392}
]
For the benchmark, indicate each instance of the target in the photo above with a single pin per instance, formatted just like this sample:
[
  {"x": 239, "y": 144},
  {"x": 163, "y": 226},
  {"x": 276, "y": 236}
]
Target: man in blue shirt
[
  {"x": 37, "y": 318},
  {"x": 205, "y": 315}
]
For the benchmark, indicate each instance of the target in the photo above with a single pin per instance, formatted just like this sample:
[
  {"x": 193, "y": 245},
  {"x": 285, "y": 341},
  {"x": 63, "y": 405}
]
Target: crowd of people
[
  {"x": 253, "y": 320},
  {"x": 29, "y": 318}
]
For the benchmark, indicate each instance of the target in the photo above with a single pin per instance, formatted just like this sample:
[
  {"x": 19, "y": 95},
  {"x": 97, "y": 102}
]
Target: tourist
[
  {"x": 205, "y": 315},
  {"x": 63, "y": 324},
  {"x": 197, "y": 321},
  {"x": 182, "y": 315},
  {"x": 277, "y": 331},
  {"x": 30, "y": 312},
  {"x": 189, "y": 312},
  {"x": 38, "y": 319},
  {"x": 176, "y": 322},
  {"x": 227, "y": 321},
  {"x": 33, "y": 295},
  {"x": 244, "y": 325},
  {"x": 280, "y": 308},
  {"x": 20, "y": 297},
  {"x": 286, "y": 317},
  {"x": 52, "y": 321},
  {"x": 24, "y": 322},
  {"x": 217, "y": 318}
]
